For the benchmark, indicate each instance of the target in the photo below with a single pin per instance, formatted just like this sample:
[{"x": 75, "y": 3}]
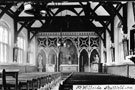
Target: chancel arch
[
  {"x": 83, "y": 61},
  {"x": 68, "y": 56}
]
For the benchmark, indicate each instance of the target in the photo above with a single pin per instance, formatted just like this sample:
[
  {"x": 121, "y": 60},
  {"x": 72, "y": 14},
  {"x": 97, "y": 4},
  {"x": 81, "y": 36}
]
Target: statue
[
  {"x": 96, "y": 59},
  {"x": 40, "y": 60},
  {"x": 94, "y": 64}
]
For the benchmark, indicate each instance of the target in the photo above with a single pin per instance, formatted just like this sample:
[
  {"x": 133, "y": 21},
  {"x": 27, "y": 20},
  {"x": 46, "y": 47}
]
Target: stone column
[
  {"x": 89, "y": 61},
  {"x": 57, "y": 62},
  {"x": 78, "y": 62}
]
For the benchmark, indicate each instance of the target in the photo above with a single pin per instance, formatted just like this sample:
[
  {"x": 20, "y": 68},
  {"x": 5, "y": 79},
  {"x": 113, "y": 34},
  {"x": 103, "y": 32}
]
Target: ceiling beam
[
  {"x": 64, "y": 6},
  {"x": 4, "y": 10},
  {"x": 19, "y": 10},
  {"x": 97, "y": 18},
  {"x": 58, "y": 30}
]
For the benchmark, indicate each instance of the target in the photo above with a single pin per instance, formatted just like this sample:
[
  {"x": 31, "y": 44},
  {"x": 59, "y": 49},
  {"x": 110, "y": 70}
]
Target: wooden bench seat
[
  {"x": 35, "y": 81},
  {"x": 29, "y": 81},
  {"x": 91, "y": 79},
  {"x": 9, "y": 79},
  {"x": 32, "y": 81}
]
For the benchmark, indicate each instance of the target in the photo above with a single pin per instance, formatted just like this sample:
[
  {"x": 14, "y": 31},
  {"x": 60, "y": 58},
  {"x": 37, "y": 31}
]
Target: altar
[{"x": 69, "y": 68}]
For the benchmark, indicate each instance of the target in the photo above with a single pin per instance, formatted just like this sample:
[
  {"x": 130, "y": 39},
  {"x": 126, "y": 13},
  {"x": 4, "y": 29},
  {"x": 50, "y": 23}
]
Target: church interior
[{"x": 45, "y": 41}]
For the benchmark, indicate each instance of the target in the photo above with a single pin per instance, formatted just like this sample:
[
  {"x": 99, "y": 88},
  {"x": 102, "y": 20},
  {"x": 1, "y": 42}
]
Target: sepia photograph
[{"x": 67, "y": 45}]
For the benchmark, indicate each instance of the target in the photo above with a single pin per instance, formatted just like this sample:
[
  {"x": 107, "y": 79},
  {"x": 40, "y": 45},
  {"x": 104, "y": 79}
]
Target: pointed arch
[
  {"x": 41, "y": 53},
  {"x": 68, "y": 54},
  {"x": 65, "y": 12},
  {"x": 83, "y": 61},
  {"x": 93, "y": 54},
  {"x": 52, "y": 57},
  {"x": 69, "y": 39}
]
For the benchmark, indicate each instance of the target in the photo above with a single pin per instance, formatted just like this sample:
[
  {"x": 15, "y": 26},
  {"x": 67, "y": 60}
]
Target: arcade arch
[
  {"x": 83, "y": 61},
  {"x": 41, "y": 59},
  {"x": 52, "y": 61}
]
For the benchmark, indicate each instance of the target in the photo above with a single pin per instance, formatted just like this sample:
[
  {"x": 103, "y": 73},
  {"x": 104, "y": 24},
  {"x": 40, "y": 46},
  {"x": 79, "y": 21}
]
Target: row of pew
[
  {"x": 28, "y": 81},
  {"x": 94, "y": 79}
]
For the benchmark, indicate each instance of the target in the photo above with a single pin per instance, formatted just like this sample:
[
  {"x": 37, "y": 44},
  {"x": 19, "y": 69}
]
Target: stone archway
[
  {"x": 52, "y": 61},
  {"x": 41, "y": 60},
  {"x": 93, "y": 55},
  {"x": 68, "y": 56},
  {"x": 83, "y": 61},
  {"x": 94, "y": 61},
  {"x": 68, "y": 53}
]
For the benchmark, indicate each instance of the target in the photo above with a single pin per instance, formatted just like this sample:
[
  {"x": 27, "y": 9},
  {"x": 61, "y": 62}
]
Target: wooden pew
[
  {"x": 94, "y": 79},
  {"x": 27, "y": 81},
  {"x": 9, "y": 79},
  {"x": 37, "y": 80}
]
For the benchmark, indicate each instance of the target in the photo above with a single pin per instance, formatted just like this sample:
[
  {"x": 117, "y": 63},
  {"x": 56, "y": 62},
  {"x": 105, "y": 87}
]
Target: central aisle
[{"x": 56, "y": 87}]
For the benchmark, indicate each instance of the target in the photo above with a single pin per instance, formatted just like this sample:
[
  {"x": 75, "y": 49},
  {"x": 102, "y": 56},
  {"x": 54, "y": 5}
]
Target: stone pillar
[
  {"x": 89, "y": 61},
  {"x": 40, "y": 60},
  {"x": 78, "y": 62},
  {"x": 57, "y": 62}
]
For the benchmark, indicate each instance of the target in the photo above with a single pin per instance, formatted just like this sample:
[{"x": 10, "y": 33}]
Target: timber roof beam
[{"x": 97, "y": 18}]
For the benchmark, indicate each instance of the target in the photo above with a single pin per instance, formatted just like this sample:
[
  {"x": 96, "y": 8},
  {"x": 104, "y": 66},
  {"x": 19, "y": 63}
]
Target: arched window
[
  {"x": 4, "y": 42},
  {"x": 21, "y": 48}
]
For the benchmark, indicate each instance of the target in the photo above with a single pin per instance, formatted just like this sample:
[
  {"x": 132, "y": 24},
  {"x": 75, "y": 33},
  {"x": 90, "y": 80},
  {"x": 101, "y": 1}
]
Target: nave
[{"x": 40, "y": 40}]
